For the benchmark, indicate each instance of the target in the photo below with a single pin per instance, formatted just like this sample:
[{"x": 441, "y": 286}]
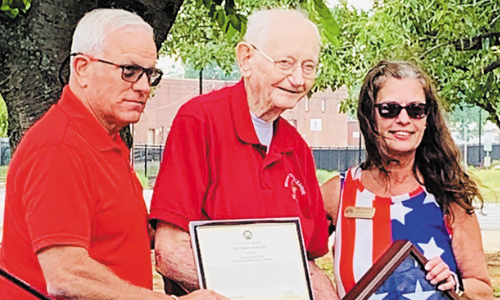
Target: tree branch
[
  {"x": 487, "y": 106},
  {"x": 432, "y": 49},
  {"x": 491, "y": 67},
  {"x": 476, "y": 43},
  {"x": 494, "y": 19}
]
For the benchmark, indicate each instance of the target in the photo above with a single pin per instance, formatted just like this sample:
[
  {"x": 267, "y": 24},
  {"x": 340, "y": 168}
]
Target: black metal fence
[
  {"x": 340, "y": 159},
  {"x": 147, "y": 158},
  {"x": 4, "y": 152},
  {"x": 476, "y": 154}
]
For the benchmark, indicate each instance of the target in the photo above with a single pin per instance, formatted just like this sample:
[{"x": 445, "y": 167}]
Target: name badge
[{"x": 359, "y": 212}]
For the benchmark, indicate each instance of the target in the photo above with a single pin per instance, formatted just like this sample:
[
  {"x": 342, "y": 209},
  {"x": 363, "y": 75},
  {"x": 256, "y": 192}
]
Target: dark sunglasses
[
  {"x": 130, "y": 73},
  {"x": 389, "y": 110}
]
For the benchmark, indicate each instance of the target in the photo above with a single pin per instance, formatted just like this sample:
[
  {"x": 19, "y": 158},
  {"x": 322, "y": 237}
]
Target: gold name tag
[{"x": 359, "y": 212}]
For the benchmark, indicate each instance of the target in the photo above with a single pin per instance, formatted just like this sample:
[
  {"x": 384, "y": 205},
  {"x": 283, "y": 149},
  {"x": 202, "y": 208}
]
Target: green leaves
[
  {"x": 12, "y": 7},
  {"x": 454, "y": 41},
  {"x": 331, "y": 28},
  {"x": 486, "y": 44},
  {"x": 207, "y": 31},
  {"x": 4, "y": 118},
  {"x": 223, "y": 13},
  {"x": 220, "y": 18},
  {"x": 235, "y": 22},
  {"x": 204, "y": 33}
]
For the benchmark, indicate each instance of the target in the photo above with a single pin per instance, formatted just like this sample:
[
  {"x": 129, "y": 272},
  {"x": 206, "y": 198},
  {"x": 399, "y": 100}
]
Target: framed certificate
[
  {"x": 252, "y": 259},
  {"x": 23, "y": 285},
  {"x": 398, "y": 274}
]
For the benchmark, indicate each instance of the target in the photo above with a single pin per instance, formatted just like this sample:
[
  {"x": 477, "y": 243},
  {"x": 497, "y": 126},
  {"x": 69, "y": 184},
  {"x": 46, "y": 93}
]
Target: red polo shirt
[
  {"x": 70, "y": 184},
  {"x": 215, "y": 168}
]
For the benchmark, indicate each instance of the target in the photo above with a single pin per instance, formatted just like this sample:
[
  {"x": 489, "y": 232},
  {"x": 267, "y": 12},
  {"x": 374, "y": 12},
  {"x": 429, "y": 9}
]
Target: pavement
[{"x": 489, "y": 217}]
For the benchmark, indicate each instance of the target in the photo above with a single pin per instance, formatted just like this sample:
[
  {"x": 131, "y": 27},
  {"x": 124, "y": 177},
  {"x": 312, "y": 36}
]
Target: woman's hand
[{"x": 438, "y": 273}]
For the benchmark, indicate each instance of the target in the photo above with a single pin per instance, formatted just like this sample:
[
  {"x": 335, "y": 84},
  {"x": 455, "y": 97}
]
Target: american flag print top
[{"x": 359, "y": 243}]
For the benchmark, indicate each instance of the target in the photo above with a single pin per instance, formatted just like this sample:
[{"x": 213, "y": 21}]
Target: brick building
[{"x": 316, "y": 118}]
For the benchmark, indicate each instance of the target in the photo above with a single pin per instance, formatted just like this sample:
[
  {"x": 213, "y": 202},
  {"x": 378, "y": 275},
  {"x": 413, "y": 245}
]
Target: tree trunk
[{"x": 33, "y": 46}]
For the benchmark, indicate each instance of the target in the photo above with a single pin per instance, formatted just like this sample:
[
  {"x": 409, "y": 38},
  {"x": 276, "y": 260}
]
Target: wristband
[{"x": 174, "y": 296}]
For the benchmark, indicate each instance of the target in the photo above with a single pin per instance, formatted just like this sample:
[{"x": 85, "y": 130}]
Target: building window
[
  {"x": 159, "y": 135},
  {"x": 315, "y": 125},
  {"x": 151, "y": 135},
  {"x": 307, "y": 104},
  {"x": 323, "y": 105}
]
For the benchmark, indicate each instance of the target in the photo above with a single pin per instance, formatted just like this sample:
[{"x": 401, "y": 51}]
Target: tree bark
[{"x": 33, "y": 46}]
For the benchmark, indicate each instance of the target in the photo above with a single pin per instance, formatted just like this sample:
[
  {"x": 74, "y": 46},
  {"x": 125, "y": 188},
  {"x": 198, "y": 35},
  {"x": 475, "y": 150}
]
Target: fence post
[
  {"x": 359, "y": 148},
  {"x": 2, "y": 162},
  {"x": 146, "y": 160}
]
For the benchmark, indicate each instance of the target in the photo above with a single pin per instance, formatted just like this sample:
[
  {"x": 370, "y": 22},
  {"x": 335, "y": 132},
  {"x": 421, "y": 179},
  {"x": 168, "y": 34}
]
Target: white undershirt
[{"x": 263, "y": 129}]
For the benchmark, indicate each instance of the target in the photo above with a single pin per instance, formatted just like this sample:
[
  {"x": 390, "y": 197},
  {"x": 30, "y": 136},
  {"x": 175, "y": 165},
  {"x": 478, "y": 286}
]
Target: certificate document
[{"x": 260, "y": 259}]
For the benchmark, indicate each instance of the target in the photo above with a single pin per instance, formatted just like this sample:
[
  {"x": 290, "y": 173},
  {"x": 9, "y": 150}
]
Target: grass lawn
[
  {"x": 3, "y": 171},
  {"x": 324, "y": 175},
  {"x": 489, "y": 184}
]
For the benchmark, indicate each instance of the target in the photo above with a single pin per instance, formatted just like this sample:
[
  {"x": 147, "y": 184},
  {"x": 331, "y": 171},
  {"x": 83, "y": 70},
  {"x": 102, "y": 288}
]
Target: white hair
[
  {"x": 260, "y": 21},
  {"x": 93, "y": 29}
]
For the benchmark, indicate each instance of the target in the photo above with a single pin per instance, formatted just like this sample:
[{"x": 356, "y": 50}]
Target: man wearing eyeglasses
[
  {"x": 229, "y": 154},
  {"x": 75, "y": 220}
]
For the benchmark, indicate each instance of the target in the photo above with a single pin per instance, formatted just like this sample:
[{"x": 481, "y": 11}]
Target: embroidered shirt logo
[{"x": 295, "y": 184}]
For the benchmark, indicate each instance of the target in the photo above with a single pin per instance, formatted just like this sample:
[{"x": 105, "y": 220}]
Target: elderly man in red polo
[{"x": 230, "y": 155}]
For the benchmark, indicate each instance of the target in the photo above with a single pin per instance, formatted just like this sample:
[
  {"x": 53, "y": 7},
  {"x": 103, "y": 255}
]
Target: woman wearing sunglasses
[{"x": 411, "y": 187}]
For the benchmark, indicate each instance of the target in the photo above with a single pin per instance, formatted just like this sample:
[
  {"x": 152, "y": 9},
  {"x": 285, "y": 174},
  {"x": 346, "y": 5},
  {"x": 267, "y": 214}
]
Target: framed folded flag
[{"x": 398, "y": 275}]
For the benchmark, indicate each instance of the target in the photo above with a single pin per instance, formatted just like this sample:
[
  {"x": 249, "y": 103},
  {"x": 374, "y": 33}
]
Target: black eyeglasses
[
  {"x": 389, "y": 110},
  {"x": 131, "y": 73},
  {"x": 287, "y": 66}
]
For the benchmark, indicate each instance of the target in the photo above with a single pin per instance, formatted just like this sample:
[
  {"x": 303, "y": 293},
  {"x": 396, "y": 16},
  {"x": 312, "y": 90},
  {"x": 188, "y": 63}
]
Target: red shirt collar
[{"x": 87, "y": 124}]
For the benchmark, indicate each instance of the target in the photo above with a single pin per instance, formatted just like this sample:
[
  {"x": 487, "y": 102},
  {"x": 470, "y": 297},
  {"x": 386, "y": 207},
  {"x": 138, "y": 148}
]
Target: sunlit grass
[
  {"x": 3, "y": 171},
  {"x": 324, "y": 175},
  {"x": 489, "y": 184}
]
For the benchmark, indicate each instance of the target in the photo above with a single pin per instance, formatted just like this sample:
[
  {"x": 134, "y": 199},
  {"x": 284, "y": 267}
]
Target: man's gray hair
[
  {"x": 260, "y": 21},
  {"x": 93, "y": 29}
]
